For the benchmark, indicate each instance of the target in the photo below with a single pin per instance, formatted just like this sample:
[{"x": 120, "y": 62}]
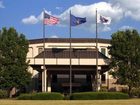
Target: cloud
[
  {"x": 34, "y": 19},
  {"x": 88, "y": 11},
  {"x": 131, "y": 8},
  {"x": 126, "y": 27},
  {"x": 1, "y": 5},
  {"x": 58, "y": 8},
  {"x": 116, "y": 9},
  {"x": 106, "y": 28},
  {"x": 54, "y": 36},
  {"x": 30, "y": 20}
]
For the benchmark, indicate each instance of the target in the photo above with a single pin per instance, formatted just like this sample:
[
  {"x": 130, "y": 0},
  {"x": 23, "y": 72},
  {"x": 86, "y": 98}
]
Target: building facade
[{"x": 56, "y": 57}]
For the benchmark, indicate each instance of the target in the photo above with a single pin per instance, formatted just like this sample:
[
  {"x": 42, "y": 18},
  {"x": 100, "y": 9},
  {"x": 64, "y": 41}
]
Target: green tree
[
  {"x": 13, "y": 64},
  {"x": 125, "y": 57}
]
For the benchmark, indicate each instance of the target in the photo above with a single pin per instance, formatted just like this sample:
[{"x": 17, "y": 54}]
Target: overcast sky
[{"x": 26, "y": 16}]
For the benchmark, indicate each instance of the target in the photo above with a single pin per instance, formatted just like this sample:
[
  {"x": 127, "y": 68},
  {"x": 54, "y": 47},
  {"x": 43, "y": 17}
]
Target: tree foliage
[
  {"x": 13, "y": 65},
  {"x": 125, "y": 57}
]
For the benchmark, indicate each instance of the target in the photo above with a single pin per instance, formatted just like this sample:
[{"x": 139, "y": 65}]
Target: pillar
[
  {"x": 44, "y": 80},
  {"x": 49, "y": 83},
  {"x": 99, "y": 82},
  {"x": 98, "y": 87}
]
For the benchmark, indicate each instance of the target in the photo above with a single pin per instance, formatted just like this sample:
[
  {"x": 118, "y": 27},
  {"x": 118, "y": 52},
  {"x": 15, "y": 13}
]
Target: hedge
[
  {"x": 41, "y": 96},
  {"x": 98, "y": 96},
  {"x": 3, "y": 94}
]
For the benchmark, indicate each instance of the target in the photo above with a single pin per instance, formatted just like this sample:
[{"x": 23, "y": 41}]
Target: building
[{"x": 57, "y": 62}]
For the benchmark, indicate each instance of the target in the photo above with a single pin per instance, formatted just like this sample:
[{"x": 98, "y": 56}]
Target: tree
[
  {"x": 125, "y": 57},
  {"x": 13, "y": 64}
]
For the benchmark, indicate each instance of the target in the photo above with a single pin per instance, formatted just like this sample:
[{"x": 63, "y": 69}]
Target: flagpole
[
  {"x": 70, "y": 77},
  {"x": 97, "y": 73},
  {"x": 44, "y": 69}
]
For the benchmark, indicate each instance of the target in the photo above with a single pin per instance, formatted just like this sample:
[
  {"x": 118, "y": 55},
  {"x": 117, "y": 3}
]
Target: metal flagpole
[
  {"x": 97, "y": 72},
  {"x": 70, "y": 77},
  {"x": 44, "y": 69}
]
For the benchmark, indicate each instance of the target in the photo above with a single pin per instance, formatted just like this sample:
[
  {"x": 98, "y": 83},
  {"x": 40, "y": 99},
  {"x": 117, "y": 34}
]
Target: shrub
[
  {"x": 3, "y": 94},
  {"x": 41, "y": 96},
  {"x": 67, "y": 97},
  {"x": 25, "y": 97},
  {"x": 104, "y": 89},
  {"x": 98, "y": 95},
  {"x": 135, "y": 92}
]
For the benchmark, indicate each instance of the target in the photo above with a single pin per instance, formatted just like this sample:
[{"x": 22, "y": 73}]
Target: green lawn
[{"x": 69, "y": 102}]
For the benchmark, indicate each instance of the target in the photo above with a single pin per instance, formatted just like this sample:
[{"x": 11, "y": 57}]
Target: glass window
[
  {"x": 40, "y": 49},
  {"x": 103, "y": 51}
]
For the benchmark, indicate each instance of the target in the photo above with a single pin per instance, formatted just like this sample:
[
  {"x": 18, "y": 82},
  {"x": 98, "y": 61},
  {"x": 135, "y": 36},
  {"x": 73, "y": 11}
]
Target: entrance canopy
[
  {"x": 82, "y": 60},
  {"x": 75, "y": 53}
]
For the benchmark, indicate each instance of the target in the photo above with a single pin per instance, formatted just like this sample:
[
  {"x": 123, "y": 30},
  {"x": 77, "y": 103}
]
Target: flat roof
[{"x": 67, "y": 40}]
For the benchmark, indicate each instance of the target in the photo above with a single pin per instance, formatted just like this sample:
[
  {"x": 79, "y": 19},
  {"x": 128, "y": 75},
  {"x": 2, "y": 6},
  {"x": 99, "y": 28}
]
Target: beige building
[{"x": 56, "y": 77}]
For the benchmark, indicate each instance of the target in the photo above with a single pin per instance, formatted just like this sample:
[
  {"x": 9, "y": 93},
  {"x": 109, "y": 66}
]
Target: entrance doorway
[{"x": 80, "y": 83}]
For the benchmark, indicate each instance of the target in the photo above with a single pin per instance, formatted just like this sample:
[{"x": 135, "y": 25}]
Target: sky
[{"x": 26, "y": 17}]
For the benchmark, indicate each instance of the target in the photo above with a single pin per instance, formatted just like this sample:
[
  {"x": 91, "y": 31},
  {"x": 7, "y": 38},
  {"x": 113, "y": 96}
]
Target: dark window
[
  {"x": 40, "y": 49},
  {"x": 103, "y": 51}
]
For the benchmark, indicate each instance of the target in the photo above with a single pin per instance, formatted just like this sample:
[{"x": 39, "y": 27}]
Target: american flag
[{"x": 50, "y": 20}]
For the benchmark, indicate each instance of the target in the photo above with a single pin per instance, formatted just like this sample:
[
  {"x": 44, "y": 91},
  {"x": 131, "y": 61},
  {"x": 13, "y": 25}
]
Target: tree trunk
[
  {"x": 12, "y": 92},
  {"x": 129, "y": 91}
]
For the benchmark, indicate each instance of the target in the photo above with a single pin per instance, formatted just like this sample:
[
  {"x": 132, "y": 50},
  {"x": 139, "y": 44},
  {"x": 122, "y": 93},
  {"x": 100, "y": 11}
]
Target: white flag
[{"x": 103, "y": 19}]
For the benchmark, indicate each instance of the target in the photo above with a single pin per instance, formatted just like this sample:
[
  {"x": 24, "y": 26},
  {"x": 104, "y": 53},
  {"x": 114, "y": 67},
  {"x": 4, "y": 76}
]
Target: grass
[{"x": 70, "y": 102}]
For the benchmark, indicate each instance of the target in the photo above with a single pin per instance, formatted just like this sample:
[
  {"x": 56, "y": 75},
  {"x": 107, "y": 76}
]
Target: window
[
  {"x": 40, "y": 49},
  {"x": 103, "y": 51}
]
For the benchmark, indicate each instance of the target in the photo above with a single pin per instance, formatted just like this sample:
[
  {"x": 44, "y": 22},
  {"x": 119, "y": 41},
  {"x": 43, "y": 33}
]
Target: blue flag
[{"x": 76, "y": 20}]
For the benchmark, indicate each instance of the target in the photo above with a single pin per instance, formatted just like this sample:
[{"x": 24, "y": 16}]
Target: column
[
  {"x": 44, "y": 80},
  {"x": 49, "y": 83},
  {"x": 99, "y": 79}
]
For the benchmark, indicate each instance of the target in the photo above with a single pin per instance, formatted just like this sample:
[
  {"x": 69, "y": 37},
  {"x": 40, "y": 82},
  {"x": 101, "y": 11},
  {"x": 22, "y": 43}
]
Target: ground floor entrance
[
  {"x": 80, "y": 83},
  {"x": 58, "y": 78}
]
